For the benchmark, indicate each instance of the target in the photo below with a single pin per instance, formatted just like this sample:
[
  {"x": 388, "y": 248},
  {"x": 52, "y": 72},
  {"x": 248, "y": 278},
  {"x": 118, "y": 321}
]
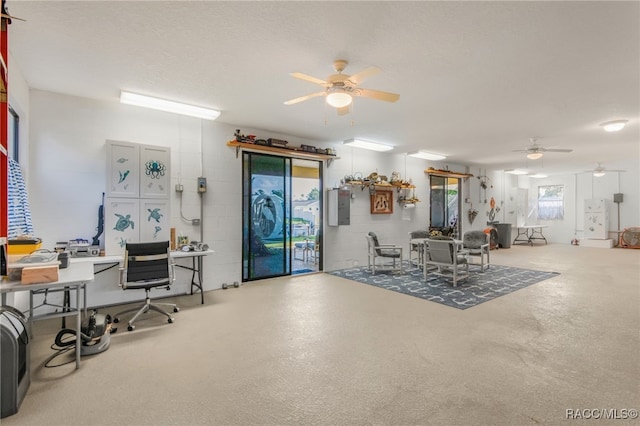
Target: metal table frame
[
  {"x": 75, "y": 277},
  {"x": 529, "y": 233}
]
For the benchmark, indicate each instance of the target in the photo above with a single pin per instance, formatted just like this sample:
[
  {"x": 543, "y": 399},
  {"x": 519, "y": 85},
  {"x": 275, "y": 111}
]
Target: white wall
[{"x": 67, "y": 177}]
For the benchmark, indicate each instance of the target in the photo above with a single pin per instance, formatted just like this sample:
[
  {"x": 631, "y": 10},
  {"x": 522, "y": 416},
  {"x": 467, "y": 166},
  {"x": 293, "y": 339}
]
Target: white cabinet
[
  {"x": 137, "y": 205},
  {"x": 596, "y": 219}
]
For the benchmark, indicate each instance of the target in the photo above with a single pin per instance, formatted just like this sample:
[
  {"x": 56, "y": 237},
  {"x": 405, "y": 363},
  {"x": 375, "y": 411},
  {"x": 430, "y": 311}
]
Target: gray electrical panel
[{"x": 338, "y": 207}]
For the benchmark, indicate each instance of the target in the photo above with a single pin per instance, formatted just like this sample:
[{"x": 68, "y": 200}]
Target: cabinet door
[
  {"x": 154, "y": 220},
  {"x": 123, "y": 165},
  {"x": 122, "y": 224},
  {"x": 155, "y": 176}
]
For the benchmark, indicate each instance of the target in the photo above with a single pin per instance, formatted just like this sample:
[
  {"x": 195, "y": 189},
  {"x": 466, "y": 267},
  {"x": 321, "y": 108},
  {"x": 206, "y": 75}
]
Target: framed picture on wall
[
  {"x": 155, "y": 176},
  {"x": 121, "y": 224},
  {"x": 154, "y": 220},
  {"x": 123, "y": 165},
  {"x": 382, "y": 202}
]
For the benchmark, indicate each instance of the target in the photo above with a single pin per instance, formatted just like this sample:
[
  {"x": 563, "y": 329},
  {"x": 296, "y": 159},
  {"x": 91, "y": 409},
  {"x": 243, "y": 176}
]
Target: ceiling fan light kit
[
  {"x": 538, "y": 176},
  {"x": 339, "y": 99},
  {"x": 614, "y": 126},
  {"x": 516, "y": 172},
  {"x": 534, "y": 155},
  {"x": 168, "y": 106},
  {"x": 599, "y": 173},
  {"x": 426, "y": 155},
  {"x": 374, "y": 146}
]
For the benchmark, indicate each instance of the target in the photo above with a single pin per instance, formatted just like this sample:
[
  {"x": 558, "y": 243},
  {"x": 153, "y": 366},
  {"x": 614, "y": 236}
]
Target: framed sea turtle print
[
  {"x": 155, "y": 175},
  {"x": 121, "y": 223},
  {"x": 123, "y": 165},
  {"x": 154, "y": 220}
]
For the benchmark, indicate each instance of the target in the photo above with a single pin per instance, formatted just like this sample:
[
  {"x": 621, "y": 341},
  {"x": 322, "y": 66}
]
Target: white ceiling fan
[
  {"x": 600, "y": 171},
  {"x": 536, "y": 151},
  {"x": 340, "y": 88}
]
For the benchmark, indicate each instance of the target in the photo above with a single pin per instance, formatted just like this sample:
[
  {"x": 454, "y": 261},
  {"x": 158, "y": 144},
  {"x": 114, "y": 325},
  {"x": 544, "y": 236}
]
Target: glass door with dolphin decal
[{"x": 266, "y": 207}]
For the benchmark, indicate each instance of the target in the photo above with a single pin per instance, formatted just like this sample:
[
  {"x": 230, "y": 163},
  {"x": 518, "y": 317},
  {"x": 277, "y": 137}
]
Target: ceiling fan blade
[
  {"x": 343, "y": 111},
  {"x": 557, "y": 150},
  {"x": 377, "y": 94},
  {"x": 367, "y": 72},
  {"x": 306, "y": 77},
  {"x": 7, "y": 16},
  {"x": 304, "y": 98}
]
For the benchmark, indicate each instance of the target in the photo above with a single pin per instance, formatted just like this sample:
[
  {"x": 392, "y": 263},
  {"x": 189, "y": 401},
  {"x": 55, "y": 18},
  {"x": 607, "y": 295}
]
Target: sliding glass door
[
  {"x": 445, "y": 204},
  {"x": 266, "y": 207}
]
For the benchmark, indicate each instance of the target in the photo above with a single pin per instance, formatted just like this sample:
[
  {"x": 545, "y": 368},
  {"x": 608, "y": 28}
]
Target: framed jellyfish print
[
  {"x": 121, "y": 224},
  {"x": 123, "y": 165},
  {"x": 154, "y": 220},
  {"x": 155, "y": 176}
]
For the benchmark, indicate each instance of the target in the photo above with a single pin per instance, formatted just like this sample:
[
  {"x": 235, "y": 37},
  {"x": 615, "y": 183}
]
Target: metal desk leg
[
  {"x": 197, "y": 269},
  {"x": 78, "y": 326}
]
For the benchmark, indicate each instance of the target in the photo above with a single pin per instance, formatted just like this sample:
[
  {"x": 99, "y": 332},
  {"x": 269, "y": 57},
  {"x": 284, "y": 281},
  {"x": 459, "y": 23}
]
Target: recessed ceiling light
[
  {"x": 516, "y": 172},
  {"x": 168, "y": 106},
  {"x": 538, "y": 176},
  {"x": 614, "y": 126},
  {"x": 426, "y": 155},
  {"x": 375, "y": 146}
]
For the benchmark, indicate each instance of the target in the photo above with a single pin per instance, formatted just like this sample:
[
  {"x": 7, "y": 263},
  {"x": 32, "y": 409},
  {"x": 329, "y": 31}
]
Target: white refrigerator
[{"x": 596, "y": 219}]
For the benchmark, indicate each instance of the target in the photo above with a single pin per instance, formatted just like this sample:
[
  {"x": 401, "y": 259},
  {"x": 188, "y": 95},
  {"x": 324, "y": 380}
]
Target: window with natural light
[{"x": 551, "y": 202}]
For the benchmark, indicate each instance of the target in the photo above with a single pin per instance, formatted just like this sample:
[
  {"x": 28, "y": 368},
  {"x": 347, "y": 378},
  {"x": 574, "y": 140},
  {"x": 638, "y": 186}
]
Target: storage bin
[{"x": 24, "y": 246}]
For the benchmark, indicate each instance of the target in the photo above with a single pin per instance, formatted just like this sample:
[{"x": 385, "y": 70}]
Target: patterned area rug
[{"x": 478, "y": 288}]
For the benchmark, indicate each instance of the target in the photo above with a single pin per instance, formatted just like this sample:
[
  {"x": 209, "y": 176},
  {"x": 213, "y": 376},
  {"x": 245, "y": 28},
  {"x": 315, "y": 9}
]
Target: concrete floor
[{"x": 321, "y": 350}]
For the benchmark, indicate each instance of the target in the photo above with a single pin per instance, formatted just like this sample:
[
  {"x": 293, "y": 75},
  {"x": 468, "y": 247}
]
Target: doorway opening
[
  {"x": 282, "y": 216},
  {"x": 306, "y": 218},
  {"x": 445, "y": 205}
]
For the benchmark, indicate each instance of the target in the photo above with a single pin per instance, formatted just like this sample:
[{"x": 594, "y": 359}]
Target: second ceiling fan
[
  {"x": 340, "y": 88},
  {"x": 536, "y": 151}
]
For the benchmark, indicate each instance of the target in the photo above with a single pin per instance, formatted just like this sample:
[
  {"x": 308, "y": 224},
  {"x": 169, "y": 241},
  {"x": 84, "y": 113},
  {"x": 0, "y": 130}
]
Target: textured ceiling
[{"x": 476, "y": 79}]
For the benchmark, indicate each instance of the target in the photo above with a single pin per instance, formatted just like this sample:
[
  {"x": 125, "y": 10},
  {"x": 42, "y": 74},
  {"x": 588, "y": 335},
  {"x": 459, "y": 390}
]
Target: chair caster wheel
[
  {"x": 116, "y": 320},
  {"x": 170, "y": 320},
  {"x": 131, "y": 327},
  {"x": 176, "y": 309}
]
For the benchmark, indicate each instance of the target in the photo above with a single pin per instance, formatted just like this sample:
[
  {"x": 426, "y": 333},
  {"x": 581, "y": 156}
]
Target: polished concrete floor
[{"x": 322, "y": 350}]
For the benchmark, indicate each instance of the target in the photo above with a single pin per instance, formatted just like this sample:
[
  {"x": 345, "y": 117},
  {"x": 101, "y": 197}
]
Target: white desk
[
  {"x": 75, "y": 277},
  {"x": 195, "y": 268},
  {"x": 529, "y": 233}
]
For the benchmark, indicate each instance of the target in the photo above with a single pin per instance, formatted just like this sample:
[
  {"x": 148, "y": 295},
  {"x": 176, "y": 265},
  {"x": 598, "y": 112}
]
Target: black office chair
[{"x": 146, "y": 266}]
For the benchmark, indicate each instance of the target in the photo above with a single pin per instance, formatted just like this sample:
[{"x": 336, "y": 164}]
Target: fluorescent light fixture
[
  {"x": 516, "y": 172},
  {"x": 426, "y": 155},
  {"x": 599, "y": 173},
  {"x": 538, "y": 176},
  {"x": 375, "y": 146},
  {"x": 339, "y": 99},
  {"x": 534, "y": 155},
  {"x": 168, "y": 106},
  {"x": 614, "y": 126}
]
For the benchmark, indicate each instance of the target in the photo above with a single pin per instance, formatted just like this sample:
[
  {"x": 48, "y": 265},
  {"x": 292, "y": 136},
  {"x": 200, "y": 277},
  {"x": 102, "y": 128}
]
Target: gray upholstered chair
[
  {"x": 416, "y": 251},
  {"x": 450, "y": 262},
  {"x": 377, "y": 250},
  {"x": 477, "y": 243}
]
